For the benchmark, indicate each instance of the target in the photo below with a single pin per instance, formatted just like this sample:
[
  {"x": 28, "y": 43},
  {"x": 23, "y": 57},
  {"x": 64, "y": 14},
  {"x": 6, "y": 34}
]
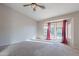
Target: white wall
[
  {"x": 75, "y": 27},
  {"x": 15, "y": 27}
]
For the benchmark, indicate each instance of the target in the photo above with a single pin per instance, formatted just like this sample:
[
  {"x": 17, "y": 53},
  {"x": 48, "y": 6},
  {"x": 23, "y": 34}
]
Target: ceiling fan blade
[
  {"x": 27, "y": 5},
  {"x": 43, "y": 7}
]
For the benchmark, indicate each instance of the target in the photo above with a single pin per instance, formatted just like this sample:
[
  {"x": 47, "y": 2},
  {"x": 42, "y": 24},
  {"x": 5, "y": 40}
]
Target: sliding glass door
[{"x": 56, "y": 31}]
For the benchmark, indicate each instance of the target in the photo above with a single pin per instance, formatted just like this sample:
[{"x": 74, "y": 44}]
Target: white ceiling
[{"x": 52, "y": 9}]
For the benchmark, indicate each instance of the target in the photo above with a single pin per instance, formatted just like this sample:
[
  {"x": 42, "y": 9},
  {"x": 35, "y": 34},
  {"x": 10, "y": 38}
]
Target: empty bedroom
[{"x": 39, "y": 29}]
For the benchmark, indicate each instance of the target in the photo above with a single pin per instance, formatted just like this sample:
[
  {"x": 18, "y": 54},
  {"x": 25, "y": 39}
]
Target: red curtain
[
  {"x": 48, "y": 32},
  {"x": 64, "y": 39}
]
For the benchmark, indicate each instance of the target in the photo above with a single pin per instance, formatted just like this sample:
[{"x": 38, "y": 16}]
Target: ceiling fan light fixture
[{"x": 33, "y": 7}]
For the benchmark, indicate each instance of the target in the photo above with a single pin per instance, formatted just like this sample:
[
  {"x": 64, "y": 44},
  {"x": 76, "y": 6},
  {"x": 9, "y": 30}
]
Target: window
[
  {"x": 45, "y": 31},
  {"x": 59, "y": 33},
  {"x": 69, "y": 31},
  {"x": 52, "y": 31},
  {"x": 56, "y": 31},
  {"x": 59, "y": 30}
]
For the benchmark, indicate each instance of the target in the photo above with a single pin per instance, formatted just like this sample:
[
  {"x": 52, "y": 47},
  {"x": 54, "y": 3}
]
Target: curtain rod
[{"x": 59, "y": 20}]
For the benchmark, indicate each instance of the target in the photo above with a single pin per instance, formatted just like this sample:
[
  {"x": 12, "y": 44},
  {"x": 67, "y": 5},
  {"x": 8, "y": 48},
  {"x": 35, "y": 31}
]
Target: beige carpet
[{"x": 29, "y": 48}]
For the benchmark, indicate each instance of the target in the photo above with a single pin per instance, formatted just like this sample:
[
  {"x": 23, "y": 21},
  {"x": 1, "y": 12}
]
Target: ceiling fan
[{"x": 34, "y": 6}]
